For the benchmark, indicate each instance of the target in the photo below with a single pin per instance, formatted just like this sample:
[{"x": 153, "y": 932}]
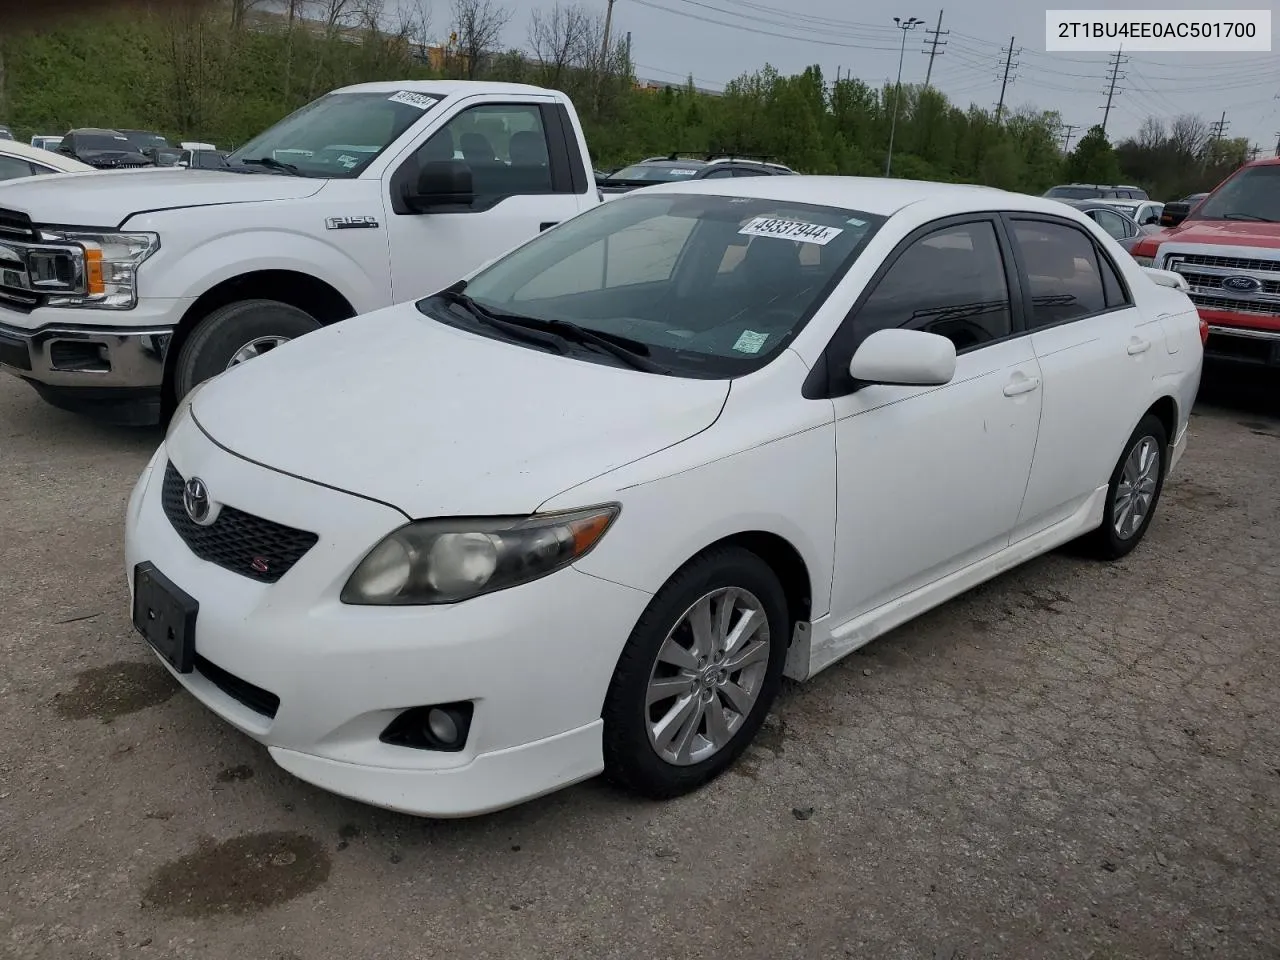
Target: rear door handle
[
  {"x": 1138, "y": 345},
  {"x": 547, "y": 225},
  {"x": 1018, "y": 387}
]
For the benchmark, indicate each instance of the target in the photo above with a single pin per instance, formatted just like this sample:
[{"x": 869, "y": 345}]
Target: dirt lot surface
[{"x": 1076, "y": 760}]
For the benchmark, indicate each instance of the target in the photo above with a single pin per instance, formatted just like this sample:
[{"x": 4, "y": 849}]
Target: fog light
[{"x": 442, "y": 726}]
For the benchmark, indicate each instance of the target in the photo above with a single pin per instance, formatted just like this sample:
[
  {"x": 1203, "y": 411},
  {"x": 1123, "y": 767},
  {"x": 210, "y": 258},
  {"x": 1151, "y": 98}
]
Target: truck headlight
[
  {"x": 110, "y": 267},
  {"x": 446, "y": 561}
]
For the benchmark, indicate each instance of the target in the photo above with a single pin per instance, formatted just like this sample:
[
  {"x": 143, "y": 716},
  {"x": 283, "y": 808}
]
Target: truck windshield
[
  {"x": 336, "y": 136},
  {"x": 98, "y": 141},
  {"x": 1252, "y": 194}
]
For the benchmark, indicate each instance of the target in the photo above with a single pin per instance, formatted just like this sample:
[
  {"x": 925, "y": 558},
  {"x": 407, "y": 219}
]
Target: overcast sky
[{"x": 716, "y": 40}]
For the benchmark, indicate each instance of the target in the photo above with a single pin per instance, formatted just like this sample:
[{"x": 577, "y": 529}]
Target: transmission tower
[
  {"x": 1009, "y": 65},
  {"x": 934, "y": 43},
  {"x": 1116, "y": 76}
]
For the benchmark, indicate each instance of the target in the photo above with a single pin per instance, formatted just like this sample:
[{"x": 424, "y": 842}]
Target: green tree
[{"x": 1093, "y": 160}]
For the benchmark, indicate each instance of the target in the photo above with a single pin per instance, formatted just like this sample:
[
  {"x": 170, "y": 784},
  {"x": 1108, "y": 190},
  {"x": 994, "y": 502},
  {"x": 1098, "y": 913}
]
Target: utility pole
[
  {"x": 608, "y": 28},
  {"x": 1278, "y": 143},
  {"x": 1066, "y": 140},
  {"x": 1008, "y": 65},
  {"x": 905, "y": 26},
  {"x": 1116, "y": 76},
  {"x": 1255, "y": 152},
  {"x": 934, "y": 43},
  {"x": 1220, "y": 126}
]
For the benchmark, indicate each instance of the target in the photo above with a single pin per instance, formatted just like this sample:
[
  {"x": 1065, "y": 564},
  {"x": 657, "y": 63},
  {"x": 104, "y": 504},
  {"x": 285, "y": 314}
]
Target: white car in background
[
  {"x": 46, "y": 143},
  {"x": 1145, "y": 212},
  {"x": 582, "y": 512},
  {"x": 19, "y": 160}
]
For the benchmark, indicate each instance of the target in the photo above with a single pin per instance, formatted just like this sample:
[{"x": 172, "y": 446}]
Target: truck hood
[
  {"x": 108, "y": 198},
  {"x": 1238, "y": 233},
  {"x": 436, "y": 421}
]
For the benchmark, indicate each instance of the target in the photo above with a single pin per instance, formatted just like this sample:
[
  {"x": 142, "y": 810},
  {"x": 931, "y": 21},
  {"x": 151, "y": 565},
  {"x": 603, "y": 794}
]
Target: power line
[
  {"x": 1008, "y": 65},
  {"x": 756, "y": 30},
  {"x": 934, "y": 44},
  {"x": 1116, "y": 60}
]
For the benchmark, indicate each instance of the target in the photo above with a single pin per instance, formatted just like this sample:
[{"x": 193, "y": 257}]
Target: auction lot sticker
[
  {"x": 790, "y": 230},
  {"x": 1158, "y": 31}
]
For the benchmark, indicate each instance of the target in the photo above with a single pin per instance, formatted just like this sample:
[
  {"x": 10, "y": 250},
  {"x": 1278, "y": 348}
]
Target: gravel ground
[{"x": 1075, "y": 760}]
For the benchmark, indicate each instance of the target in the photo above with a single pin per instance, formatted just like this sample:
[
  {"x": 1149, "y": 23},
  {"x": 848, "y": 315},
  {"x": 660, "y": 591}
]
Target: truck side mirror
[{"x": 441, "y": 183}]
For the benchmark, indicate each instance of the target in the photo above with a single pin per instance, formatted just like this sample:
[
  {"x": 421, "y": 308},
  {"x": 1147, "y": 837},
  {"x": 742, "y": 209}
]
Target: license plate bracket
[{"x": 165, "y": 616}]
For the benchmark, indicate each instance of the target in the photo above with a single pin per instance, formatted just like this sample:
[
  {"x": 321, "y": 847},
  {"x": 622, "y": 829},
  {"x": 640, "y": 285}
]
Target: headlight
[
  {"x": 445, "y": 561},
  {"x": 110, "y": 267}
]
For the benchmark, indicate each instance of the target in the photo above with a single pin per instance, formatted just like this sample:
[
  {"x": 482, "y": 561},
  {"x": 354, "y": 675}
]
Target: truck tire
[{"x": 234, "y": 333}]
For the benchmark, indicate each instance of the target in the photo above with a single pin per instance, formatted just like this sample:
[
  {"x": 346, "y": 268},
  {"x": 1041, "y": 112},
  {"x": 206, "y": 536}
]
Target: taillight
[{"x": 1204, "y": 332}]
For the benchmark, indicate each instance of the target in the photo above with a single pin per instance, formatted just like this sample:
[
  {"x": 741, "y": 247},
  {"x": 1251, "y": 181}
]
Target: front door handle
[
  {"x": 1137, "y": 345},
  {"x": 1018, "y": 387}
]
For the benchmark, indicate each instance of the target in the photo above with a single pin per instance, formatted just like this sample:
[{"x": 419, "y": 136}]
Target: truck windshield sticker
[
  {"x": 348, "y": 161},
  {"x": 419, "y": 100},
  {"x": 750, "y": 341},
  {"x": 681, "y": 172},
  {"x": 790, "y": 230}
]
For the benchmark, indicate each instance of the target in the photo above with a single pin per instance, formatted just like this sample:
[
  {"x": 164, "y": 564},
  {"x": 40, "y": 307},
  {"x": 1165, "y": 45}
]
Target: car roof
[
  {"x": 15, "y": 148},
  {"x": 95, "y": 132},
  {"x": 874, "y": 195}
]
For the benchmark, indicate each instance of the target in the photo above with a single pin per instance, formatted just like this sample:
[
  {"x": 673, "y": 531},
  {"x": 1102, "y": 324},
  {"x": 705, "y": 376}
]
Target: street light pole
[{"x": 904, "y": 26}]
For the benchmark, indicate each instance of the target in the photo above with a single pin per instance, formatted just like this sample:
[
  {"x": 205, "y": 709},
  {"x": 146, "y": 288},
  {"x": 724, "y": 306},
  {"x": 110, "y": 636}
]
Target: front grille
[
  {"x": 1213, "y": 281},
  {"x": 259, "y": 549},
  {"x": 1226, "y": 263},
  {"x": 1227, "y": 305},
  {"x": 16, "y": 226},
  {"x": 242, "y": 691},
  {"x": 15, "y": 353}
]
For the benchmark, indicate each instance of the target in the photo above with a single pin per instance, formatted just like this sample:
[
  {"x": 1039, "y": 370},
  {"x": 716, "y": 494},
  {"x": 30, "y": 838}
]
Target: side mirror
[
  {"x": 904, "y": 358},
  {"x": 441, "y": 183}
]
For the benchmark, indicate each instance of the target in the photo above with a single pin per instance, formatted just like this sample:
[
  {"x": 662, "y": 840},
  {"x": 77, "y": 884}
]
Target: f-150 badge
[{"x": 351, "y": 223}]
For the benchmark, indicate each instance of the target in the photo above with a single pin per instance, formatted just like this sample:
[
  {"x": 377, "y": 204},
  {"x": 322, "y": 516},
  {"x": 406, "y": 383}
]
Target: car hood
[
  {"x": 1240, "y": 233},
  {"x": 107, "y": 198},
  {"x": 438, "y": 421}
]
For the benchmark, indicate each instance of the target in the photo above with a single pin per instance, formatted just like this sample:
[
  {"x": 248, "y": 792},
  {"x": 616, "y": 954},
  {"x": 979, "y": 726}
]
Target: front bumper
[
  {"x": 115, "y": 372},
  {"x": 1244, "y": 345},
  {"x": 536, "y": 660}
]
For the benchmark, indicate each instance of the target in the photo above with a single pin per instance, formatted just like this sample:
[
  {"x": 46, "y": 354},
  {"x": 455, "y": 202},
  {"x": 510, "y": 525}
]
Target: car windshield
[
  {"x": 701, "y": 286},
  {"x": 141, "y": 140},
  {"x": 655, "y": 172},
  {"x": 1252, "y": 194},
  {"x": 337, "y": 135},
  {"x": 100, "y": 141},
  {"x": 1073, "y": 193}
]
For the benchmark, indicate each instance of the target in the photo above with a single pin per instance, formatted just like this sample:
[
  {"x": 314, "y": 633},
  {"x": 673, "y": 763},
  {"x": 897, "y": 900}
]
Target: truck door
[{"x": 522, "y": 164}]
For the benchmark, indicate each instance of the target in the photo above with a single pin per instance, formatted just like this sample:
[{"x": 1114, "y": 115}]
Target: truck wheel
[{"x": 233, "y": 334}]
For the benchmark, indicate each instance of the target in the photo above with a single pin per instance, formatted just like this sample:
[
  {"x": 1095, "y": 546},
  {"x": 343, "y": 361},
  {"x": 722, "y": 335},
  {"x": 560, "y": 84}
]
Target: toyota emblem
[
  {"x": 1242, "y": 284},
  {"x": 195, "y": 497}
]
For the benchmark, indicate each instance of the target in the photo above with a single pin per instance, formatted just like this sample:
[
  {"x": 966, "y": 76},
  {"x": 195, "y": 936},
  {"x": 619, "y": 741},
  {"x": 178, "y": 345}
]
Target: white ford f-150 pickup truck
[{"x": 119, "y": 292}]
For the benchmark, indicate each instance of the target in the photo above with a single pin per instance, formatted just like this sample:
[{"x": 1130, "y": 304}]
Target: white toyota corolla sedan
[{"x": 583, "y": 511}]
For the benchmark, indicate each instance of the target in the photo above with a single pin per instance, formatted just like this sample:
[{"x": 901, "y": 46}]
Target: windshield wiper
[
  {"x": 271, "y": 163},
  {"x": 633, "y": 353},
  {"x": 516, "y": 331},
  {"x": 1247, "y": 216}
]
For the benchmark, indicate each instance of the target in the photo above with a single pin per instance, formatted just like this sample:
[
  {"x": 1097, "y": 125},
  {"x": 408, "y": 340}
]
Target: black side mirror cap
[{"x": 441, "y": 183}]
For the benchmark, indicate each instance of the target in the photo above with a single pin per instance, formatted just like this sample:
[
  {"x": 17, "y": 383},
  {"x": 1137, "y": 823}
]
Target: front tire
[
  {"x": 698, "y": 675},
  {"x": 233, "y": 334},
  {"x": 1134, "y": 491}
]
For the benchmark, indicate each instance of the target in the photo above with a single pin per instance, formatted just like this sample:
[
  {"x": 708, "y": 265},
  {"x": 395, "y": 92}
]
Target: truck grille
[
  {"x": 18, "y": 227},
  {"x": 1227, "y": 263},
  {"x": 259, "y": 549},
  {"x": 1257, "y": 307}
]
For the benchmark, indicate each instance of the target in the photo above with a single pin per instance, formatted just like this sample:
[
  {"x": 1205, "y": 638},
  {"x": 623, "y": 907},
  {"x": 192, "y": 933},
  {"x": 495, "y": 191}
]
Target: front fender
[{"x": 361, "y": 273}]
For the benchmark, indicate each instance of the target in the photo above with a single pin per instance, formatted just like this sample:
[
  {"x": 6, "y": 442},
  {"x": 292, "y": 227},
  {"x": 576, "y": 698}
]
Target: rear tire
[
  {"x": 237, "y": 329},
  {"x": 1134, "y": 491},
  {"x": 713, "y": 704}
]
